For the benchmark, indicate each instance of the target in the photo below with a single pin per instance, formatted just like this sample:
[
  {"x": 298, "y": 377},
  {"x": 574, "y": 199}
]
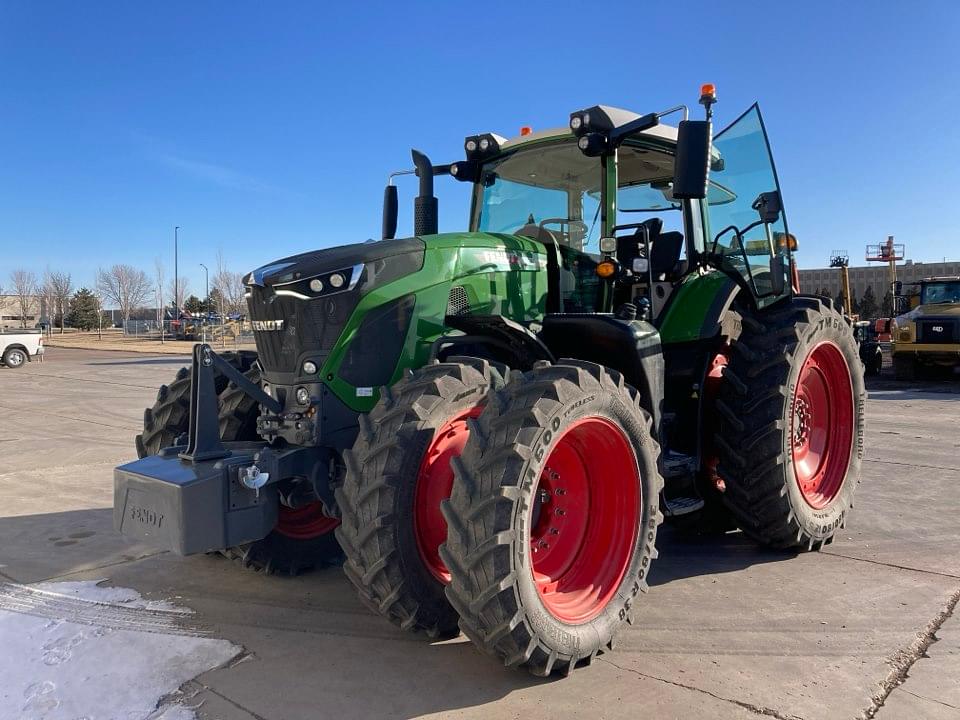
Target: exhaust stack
[{"x": 425, "y": 205}]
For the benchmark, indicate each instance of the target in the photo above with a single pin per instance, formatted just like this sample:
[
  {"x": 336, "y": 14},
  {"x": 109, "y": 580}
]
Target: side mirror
[
  {"x": 691, "y": 162},
  {"x": 768, "y": 207},
  {"x": 390, "y": 210}
]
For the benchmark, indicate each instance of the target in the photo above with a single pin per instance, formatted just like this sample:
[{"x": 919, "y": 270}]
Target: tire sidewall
[
  {"x": 579, "y": 640},
  {"x": 823, "y": 523},
  {"x": 14, "y": 353},
  {"x": 415, "y": 443}
]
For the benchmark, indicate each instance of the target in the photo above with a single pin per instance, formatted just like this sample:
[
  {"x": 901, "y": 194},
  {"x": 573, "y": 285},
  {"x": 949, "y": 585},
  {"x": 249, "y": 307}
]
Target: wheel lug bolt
[
  {"x": 560, "y": 491},
  {"x": 554, "y": 531},
  {"x": 560, "y": 511}
]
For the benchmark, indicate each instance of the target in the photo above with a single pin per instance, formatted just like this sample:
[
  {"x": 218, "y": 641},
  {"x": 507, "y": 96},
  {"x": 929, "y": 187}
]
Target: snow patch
[
  {"x": 55, "y": 669},
  {"x": 91, "y": 591}
]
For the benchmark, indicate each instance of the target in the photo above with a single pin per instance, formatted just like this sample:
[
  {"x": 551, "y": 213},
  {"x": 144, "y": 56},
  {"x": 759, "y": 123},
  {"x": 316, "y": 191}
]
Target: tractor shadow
[{"x": 685, "y": 555}]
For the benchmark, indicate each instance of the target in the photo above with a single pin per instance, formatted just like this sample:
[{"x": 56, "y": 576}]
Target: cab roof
[{"x": 663, "y": 132}]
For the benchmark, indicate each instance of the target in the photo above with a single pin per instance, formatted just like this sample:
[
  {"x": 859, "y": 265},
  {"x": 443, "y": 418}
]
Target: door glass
[{"x": 740, "y": 240}]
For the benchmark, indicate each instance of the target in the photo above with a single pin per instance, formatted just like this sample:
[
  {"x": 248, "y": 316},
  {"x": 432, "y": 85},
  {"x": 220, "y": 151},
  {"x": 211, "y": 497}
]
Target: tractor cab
[{"x": 624, "y": 222}]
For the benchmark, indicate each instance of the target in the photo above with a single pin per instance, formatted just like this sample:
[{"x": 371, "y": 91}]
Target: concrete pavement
[{"x": 728, "y": 630}]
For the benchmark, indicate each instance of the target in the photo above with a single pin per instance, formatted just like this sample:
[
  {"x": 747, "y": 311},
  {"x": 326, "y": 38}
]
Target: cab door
[{"x": 747, "y": 226}]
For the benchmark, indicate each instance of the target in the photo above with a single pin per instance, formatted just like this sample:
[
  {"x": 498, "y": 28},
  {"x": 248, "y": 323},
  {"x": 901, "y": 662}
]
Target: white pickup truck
[{"x": 18, "y": 347}]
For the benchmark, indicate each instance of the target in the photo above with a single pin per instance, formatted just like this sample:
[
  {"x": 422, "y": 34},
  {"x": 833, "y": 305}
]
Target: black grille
[
  {"x": 309, "y": 326},
  {"x": 937, "y": 331}
]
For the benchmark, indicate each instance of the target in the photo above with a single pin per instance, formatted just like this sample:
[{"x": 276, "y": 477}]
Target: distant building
[
  {"x": 10, "y": 311},
  {"x": 876, "y": 276}
]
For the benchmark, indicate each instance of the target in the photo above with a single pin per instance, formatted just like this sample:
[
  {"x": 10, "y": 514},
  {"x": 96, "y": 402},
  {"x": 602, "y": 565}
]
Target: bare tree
[
  {"x": 179, "y": 291},
  {"x": 125, "y": 285},
  {"x": 58, "y": 287},
  {"x": 230, "y": 286},
  {"x": 25, "y": 289}
]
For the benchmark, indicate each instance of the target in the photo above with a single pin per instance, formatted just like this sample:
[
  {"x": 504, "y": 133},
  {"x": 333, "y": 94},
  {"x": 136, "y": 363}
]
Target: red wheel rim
[
  {"x": 304, "y": 523},
  {"x": 711, "y": 390},
  {"x": 585, "y": 519},
  {"x": 434, "y": 483},
  {"x": 821, "y": 428}
]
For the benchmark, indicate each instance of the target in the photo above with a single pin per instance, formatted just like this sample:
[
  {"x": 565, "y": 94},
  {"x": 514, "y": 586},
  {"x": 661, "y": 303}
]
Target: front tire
[
  {"x": 553, "y": 517},
  {"x": 398, "y": 472},
  {"x": 791, "y": 427}
]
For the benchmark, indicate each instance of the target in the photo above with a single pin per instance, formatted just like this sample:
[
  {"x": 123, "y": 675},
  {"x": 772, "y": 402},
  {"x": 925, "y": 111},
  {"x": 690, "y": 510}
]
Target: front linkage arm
[{"x": 204, "y": 441}]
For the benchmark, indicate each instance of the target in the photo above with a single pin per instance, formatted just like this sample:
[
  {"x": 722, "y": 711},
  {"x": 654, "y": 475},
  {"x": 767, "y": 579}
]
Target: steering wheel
[{"x": 538, "y": 233}]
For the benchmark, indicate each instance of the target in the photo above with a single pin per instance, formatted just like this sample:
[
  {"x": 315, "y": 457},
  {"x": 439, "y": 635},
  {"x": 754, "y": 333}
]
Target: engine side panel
[{"x": 462, "y": 273}]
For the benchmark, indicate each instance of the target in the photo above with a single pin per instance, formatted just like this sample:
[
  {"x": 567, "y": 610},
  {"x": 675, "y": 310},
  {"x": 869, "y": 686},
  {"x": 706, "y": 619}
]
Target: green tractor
[{"x": 491, "y": 425}]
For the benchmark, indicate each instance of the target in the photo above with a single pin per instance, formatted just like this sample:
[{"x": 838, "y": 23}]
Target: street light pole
[
  {"x": 206, "y": 300},
  {"x": 176, "y": 274},
  {"x": 207, "y": 273}
]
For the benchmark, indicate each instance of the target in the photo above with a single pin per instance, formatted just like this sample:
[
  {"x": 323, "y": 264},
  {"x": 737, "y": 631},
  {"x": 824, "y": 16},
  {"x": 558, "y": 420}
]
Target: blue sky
[{"x": 264, "y": 129}]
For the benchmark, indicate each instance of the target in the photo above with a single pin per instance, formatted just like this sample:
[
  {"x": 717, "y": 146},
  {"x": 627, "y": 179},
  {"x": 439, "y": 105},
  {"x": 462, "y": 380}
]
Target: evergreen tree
[
  {"x": 214, "y": 301},
  {"x": 841, "y": 305},
  {"x": 83, "y": 310},
  {"x": 193, "y": 305},
  {"x": 886, "y": 306},
  {"x": 869, "y": 309}
]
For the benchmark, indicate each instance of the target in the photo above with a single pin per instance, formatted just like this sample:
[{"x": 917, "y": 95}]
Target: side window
[{"x": 746, "y": 243}]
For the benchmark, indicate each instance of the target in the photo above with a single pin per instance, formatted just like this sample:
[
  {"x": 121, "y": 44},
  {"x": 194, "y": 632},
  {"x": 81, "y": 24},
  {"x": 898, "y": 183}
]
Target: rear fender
[{"x": 631, "y": 347}]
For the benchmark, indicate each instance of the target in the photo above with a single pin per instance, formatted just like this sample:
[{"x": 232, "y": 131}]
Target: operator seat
[
  {"x": 628, "y": 246},
  {"x": 665, "y": 249},
  {"x": 665, "y": 256}
]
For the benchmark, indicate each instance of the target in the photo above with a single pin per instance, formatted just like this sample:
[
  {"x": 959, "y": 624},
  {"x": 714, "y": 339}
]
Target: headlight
[
  {"x": 309, "y": 367},
  {"x": 303, "y": 396},
  {"x": 322, "y": 285}
]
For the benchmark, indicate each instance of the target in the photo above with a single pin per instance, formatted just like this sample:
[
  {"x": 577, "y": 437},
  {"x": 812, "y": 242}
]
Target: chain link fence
[{"x": 230, "y": 332}]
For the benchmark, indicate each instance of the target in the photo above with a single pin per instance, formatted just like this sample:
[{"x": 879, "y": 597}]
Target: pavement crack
[
  {"x": 929, "y": 699},
  {"x": 911, "y": 465},
  {"x": 833, "y": 553},
  {"x": 233, "y": 702},
  {"x": 904, "y": 658},
  {"x": 756, "y": 709}
]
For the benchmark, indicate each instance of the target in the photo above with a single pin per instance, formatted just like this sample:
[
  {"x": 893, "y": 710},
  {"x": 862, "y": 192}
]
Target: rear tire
[
  {"x": 398, "y": 472},
  {"x": 307, "y": 540},
  {"x": 553, "y": 517},
  {"x": 791, "y": 412},
  {"x": 14, "y": 358}
]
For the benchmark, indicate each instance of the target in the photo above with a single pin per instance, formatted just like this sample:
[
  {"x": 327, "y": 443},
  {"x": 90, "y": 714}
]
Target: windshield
[
  {"x": 554, "y": 187},
  {"x": 935, "y": 293}
]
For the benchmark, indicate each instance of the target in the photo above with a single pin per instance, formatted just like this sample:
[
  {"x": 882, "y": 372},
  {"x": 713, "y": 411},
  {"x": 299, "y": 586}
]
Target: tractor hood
[{"x": 295, "y": 269}]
